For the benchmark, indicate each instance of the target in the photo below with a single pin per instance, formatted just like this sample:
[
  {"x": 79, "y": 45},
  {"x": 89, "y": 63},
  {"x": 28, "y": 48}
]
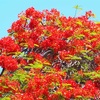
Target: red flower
[
  {"x": 66, "y": 93},
  {"x": 23, "y": 62},
  {"x": 89, "y": 14},
  {"x": 64, "y": 54},
  {"x": 33, "y": 23},
  {"x": 71, "y": 82},
  {"x": 97, "y": 68},
  {"x": 7, "y": 44},
  {"x": 97, "y": 59},
  {"x": 30, "y": 43},
  {"x": 22, "y": 96},
  {"x": 30, "y": 11},
  {"x": 8, "y": 63},
  {"x": 91, "y": 88},
  {"x": 18, "y": 25},
  {"x": 53, "y": 97}
]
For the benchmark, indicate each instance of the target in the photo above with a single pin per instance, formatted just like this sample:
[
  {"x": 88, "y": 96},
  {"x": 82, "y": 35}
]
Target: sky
[{"x": 9, "y": 9}]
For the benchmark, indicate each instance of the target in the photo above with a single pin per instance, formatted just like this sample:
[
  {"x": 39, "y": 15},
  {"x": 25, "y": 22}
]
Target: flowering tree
[{"x": 50, "y": 57}]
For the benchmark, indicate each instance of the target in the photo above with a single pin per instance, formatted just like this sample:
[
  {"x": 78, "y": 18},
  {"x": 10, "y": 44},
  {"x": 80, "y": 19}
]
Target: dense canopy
[{"x": 47, "y": 56}]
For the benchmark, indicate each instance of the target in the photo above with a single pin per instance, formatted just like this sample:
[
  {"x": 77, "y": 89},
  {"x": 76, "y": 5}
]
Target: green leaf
[
  {"x": 37, "y": 64},
  {"x": 48, "y": 69},
  {"x": 60, "y": 95},
  {"x": 58, "y": 22},
  {"x": 76, "y": 58},
  {"x": 79, "y": 78},
  {"x": 88, "y": 57},
  {"x": 21, "y": 76},
  {"x": 85, "y": 66},
  {"x": 93, "y": 33},
  {"x": 78, "y": 7},
  {"x": 84, "y": 51},
  {"x": 79, "y": 36},
  {"x": 66, "y": 85},
  {"x": 5, "y": 98},
  {"x": 79, "y": 23},
  {"x": 92, "y": 75}
]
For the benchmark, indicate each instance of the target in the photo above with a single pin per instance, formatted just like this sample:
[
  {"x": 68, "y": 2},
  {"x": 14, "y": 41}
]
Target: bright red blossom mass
[{"x": 8, "y": 63}]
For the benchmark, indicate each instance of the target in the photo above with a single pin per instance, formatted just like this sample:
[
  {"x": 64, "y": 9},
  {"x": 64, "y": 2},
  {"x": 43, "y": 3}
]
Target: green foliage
[
  {"x": 92, "y": 75},
  {"x": 5, "y": 98},
  {"x": 37, "y": 64},
  {"x": 20, "y": 75}
]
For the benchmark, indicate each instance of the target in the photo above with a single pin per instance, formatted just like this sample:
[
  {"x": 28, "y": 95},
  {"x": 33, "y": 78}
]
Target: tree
[{"x": 47, "y": 56}]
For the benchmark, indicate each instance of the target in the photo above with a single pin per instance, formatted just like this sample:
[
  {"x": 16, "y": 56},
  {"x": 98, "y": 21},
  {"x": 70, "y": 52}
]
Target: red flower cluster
[
  {"x": 8, "y": 63},
  {"x": 7, "y": 44}
]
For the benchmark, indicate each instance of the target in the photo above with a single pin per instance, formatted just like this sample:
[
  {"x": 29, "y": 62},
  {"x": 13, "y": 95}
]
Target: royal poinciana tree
[{"x": 47, "y": 56}]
